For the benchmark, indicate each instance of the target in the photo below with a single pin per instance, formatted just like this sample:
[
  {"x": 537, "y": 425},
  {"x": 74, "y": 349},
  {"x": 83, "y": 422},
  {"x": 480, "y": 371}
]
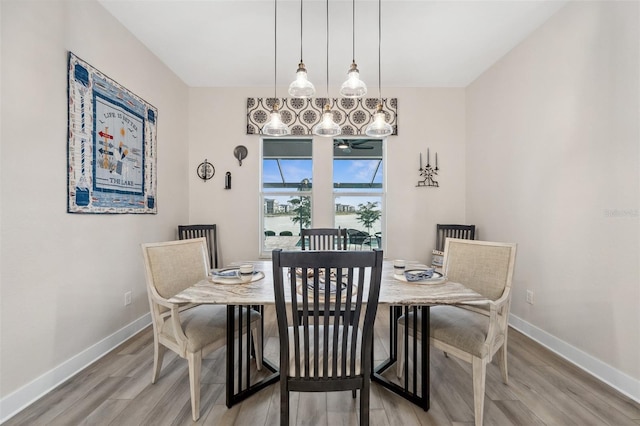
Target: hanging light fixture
[
  {"x": 275, "y": 126},
  {"x": 379, "y": 126},
  {"x": 301, "y": 86},
  {"x": 353, "y": 87},
  {"x": 327, "y": 127}
]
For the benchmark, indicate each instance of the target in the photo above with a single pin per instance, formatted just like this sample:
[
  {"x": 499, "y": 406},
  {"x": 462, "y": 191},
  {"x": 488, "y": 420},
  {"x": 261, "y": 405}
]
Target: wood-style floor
[{"x": 543, "y": 389}]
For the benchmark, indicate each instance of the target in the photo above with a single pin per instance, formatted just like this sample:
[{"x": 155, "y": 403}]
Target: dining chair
[
  {"x": 210, "y": 232},
  {"x": 465, "y": 232},
  {"x": 321, "y": 353},
  {"x": 191, "y": 331},
  {"x": 324, "y": 239},
  {"x": 472, "y": 333},
  {"x": 358, "y": 238}
]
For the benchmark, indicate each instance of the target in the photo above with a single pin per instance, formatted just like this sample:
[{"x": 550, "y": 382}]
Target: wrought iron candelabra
[{"x": 428, "y": 172}]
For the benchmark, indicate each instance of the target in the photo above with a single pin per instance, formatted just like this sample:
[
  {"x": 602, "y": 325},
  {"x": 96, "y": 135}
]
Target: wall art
[{"x": 111, "y": 145}]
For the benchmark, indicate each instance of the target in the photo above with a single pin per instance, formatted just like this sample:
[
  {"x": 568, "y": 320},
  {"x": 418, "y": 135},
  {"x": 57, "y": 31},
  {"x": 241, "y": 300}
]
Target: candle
[
  {"x": 420, "y": 161},
  {"x": 427, "y": 157},
  {"x": 436, "y": 160}
]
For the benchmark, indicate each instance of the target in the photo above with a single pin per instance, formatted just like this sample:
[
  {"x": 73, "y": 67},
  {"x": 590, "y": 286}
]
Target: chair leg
[
  {"x": 256, "y": 333},
  {"x": 158, "y": 356},
  {"x": 195, "y": 364},
  {"x": 284, "y": 402},
  {"x": 502, "y": 362},
  {"x": 364, "y": 402},
  {"x": 400, "y": 354},
  {"x": 479, "y": 376}
]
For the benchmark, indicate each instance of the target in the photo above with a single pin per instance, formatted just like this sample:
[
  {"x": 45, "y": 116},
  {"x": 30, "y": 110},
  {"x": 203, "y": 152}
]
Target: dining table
[{"x": 400, "y": 294}]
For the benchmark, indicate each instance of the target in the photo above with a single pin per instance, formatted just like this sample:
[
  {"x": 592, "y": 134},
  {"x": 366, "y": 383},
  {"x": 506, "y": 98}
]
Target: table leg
[
  {"x": 408, "y": 389},
  {"x": 234, "y": 353}
]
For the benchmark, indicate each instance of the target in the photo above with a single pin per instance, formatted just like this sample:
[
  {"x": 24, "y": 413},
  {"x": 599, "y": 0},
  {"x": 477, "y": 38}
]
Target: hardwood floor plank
[
  {"x": 105, "y": 412},
  {"x": 543, "y": 389},
  {"x": 312, "y": 409}
]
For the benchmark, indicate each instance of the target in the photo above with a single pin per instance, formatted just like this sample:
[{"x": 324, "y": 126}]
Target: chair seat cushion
[
  {"x": 338, "y": 355},
  {"x": 203, "y": 325},
  {"x": 458, "y": 327}
]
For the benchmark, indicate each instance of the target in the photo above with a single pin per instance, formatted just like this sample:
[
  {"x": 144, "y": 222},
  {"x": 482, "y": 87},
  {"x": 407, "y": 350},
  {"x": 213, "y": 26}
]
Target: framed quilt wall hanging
[{"x": 111, "y": 145}]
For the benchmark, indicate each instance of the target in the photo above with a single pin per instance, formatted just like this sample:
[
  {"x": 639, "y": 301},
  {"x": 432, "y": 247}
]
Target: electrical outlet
[
  {"x": 530, "y": 297},
  {"x": 127, "y": 298}
]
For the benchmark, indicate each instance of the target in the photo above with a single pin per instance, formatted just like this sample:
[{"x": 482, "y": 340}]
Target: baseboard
[
  {"x": 15, "y": 402},
  {"x": 618, "y": 380}
]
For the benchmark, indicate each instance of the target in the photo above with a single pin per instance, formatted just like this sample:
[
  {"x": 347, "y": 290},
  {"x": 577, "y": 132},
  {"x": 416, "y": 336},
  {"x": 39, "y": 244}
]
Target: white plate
[
  {"x": 257, "y": 276},
  {"x": 437, "y": 278}
]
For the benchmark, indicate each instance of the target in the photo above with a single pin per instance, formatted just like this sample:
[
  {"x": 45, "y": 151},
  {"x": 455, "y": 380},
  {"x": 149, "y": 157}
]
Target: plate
[
  {"x": 437, "y": 278},
  {"x": 231, "y": 276}
]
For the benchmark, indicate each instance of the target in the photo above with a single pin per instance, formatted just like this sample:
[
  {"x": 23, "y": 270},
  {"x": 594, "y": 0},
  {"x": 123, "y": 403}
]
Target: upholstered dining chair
[
  {"x": 186, "y": 232},
  {"x": 324, "y": 239},
  {"x": 472, "y": 333},
  {"x": 191, "y": 331},
  {"x": 321, "y": 353}
]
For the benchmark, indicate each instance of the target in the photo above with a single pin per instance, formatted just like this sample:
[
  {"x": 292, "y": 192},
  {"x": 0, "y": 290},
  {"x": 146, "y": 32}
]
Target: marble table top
[{"x": 392, "y": 291}]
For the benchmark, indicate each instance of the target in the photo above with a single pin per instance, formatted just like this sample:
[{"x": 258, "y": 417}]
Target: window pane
[
  {"x": 362, "y": 217},
  {"x": 287, "y": 168},
  {"x": 357, "y": 165}
]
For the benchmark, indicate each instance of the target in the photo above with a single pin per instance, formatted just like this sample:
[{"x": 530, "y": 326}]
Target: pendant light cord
[
  {"x": 327, "y": 33},
  {"x": 275, "y": 48},
  {"x": 353, "y": 30},
  {"x": 301, "y": 31},
  {"x": 379, "y": 42}
]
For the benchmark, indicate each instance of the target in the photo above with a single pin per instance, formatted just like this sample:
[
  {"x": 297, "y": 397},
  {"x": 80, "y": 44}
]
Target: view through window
[
  {"x": 287, "y": 191},
  {"x": 358, "y": 186}
]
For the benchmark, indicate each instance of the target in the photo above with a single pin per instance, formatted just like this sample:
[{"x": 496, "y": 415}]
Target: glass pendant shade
[
  {"x": 327, "y": 127},
  {"x": 275, "y": 126},
  {"x": 353, "y": 87},
  {"x": 301, "y": 86},
  {"x": 379, "y": 126}
]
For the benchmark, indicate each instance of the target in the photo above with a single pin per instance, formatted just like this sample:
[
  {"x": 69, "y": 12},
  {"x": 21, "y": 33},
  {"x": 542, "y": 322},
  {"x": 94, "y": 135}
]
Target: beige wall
[
  {"x": 64, "y": 276},
  {"x": 433, "y": 118},
  {"x": 553, "y": 164}
]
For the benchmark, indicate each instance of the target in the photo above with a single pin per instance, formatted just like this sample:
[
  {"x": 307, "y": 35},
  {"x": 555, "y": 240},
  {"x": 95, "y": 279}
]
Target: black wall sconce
[
  {"x": 227, "y": 180},
  {"x": 428, "y": 172}
]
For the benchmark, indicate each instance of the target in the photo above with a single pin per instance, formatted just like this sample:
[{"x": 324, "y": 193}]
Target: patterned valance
[{"x": 353, "y": 115}]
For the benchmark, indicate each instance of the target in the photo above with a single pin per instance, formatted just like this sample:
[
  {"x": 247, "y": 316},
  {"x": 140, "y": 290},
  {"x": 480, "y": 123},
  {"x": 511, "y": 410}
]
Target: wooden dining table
[{"x": 400, "y": 295}]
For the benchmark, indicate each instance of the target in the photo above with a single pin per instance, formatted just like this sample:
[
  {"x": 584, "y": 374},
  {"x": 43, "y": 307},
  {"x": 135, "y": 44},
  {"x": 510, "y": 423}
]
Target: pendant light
[
  {"x": 301, "y": 86},
  {"x": 353, "y": 87},
  {"x": 379, "y": 126},
  {"x": 327, "y": 127},
  {"x": 275, "y": 126}
]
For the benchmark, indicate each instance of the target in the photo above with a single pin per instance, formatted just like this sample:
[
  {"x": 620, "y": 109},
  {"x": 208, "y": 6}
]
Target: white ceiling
[{"x": 216, "y": 43}]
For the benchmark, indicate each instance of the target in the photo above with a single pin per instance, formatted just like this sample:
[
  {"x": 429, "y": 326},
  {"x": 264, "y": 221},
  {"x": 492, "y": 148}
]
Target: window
[
  {"x": 287, "y": 170},
  {"x": 358, "y": 186}
]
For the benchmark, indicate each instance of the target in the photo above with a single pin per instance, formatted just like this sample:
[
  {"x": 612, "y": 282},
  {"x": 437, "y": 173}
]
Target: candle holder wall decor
[
  {"x": 206, "y": 170},
  {"x": 428, "y": 173}
]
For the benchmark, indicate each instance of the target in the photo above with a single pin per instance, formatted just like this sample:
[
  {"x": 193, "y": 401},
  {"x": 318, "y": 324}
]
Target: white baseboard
[
  {"x": 618, "y": 380},
  {"x": 15, "y": 402}
]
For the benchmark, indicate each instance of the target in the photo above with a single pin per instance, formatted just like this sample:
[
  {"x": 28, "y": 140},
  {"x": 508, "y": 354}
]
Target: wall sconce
[{"x": 428, "y": 172}]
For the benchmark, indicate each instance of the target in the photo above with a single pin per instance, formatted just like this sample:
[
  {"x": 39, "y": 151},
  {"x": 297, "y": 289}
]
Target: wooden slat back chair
[
  {"x": 186, "y": 232},
  {"x": 324, "y": 239},
  {"x": 464, "y": 232},
  {"x": 321, "y": 353},
  {"x": 473, "y": 332},
  {"x": 171, "y": 267}
]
